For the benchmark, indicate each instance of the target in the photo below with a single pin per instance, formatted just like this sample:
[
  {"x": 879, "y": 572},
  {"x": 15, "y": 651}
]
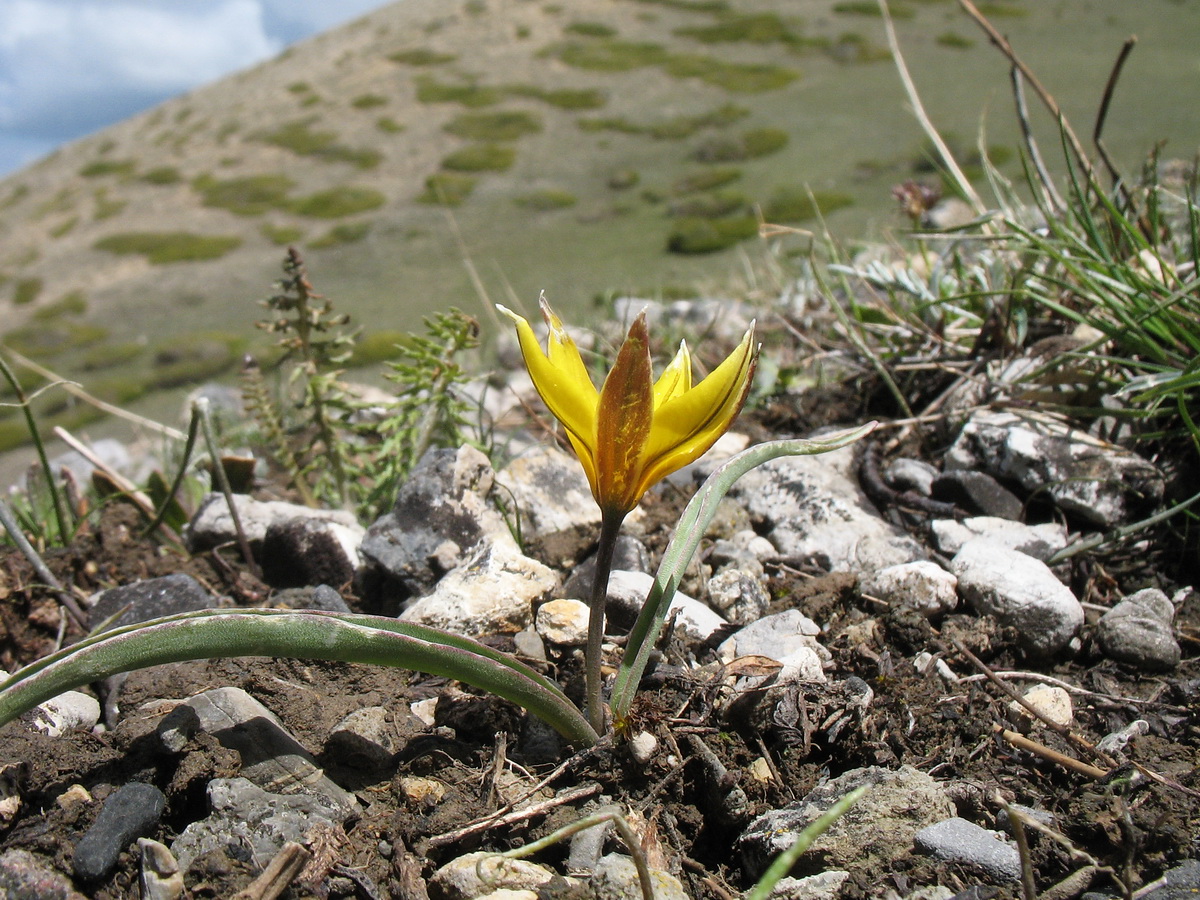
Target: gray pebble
[
  {"x": 958, "y": 840},
  {"x": 1138, "y": 631},
  {"x": 129, "y": 813}
]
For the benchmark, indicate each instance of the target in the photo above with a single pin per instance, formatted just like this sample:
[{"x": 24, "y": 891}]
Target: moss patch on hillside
[
  {"x": 251, "y": 195},
  {"x": 334, "y": 203},
  {"x": 161, "y": 248},
  {"x": 299, "y": 137},
  {"x": 481, "y": 158},
  {"x": 505, "y": 125}
]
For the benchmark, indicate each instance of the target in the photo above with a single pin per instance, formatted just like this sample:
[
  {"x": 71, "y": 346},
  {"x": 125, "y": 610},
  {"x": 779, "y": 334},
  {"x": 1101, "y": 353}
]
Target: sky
[{"x": 71, "y": 67}]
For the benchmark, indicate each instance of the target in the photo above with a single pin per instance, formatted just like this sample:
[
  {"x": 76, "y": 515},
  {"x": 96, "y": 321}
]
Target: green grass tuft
[
  {"x": 106, "y": 356},
  {"x": 506, "y": 125},
  {"x": 368, "y": 101},
  {"x": 422, "y": 56},
  {"x": 26, "y": 291},
  {"x": 299, "y": 138},
  {"x": 251, "y": 195},
  {"x": 700, "y": 235},
  {"x": 281, "y": 235},
  {"x": 590, "y": 29},
  {"x": 799, "y": 205},
  {"x": 345, "y": 200},
  {"x": 104, "y": 167},
  {"x": 447, "y": 189},
  {"x": 161, "y": 248},
  {"x": 563, "y": 98},
  {"x": 161, "y": 175},
  {"x": 704, "y": 180},
  {"x": 481, "y": 158},
  {"x": 750, "y": 144},
  {"x": 546, "y": 200},
  {"x": 347, "y": 233},
  {"x": 469, "y": 94},
  {"x": 754, "y": 28},
  {"x": 72, "y": 304},
  {"x": 388, "y": 125}
]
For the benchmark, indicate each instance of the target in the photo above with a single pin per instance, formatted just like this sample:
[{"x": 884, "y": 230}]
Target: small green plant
[
  {"x": 563, "y": 98},
  {"x": 315, "y": 344},
  {"x": 72, "y": 304},
  {"x": 388, "y": 125},
  {"x": 754, "y": 28}
]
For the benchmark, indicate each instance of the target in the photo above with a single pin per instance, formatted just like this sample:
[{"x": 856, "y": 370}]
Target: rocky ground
[{"x": 882, "y": 615}]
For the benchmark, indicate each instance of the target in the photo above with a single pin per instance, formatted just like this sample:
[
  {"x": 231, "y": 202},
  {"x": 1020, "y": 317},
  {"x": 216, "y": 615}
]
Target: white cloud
[
  {"x": 68, "y": 67},
  {"x": 65, "y": 62}
]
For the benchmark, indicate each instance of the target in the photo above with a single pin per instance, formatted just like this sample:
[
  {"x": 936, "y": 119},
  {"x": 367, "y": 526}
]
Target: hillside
[{"x": 573, "y": 147}]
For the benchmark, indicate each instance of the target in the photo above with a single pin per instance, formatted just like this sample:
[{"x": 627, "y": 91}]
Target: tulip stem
[{"x": 610, "y": 528}]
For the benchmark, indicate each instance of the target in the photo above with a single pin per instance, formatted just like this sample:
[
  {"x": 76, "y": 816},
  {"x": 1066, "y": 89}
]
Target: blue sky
[{"x": 70, "y": 67}]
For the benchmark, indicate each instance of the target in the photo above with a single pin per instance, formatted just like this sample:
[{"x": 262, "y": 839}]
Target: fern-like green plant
[
  {"x": 315, "y": 344},
  {"x": 430, "y": 407}
]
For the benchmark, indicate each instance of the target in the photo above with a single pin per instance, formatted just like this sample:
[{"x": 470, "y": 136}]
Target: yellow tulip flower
[{"x": 634, "y": 431}]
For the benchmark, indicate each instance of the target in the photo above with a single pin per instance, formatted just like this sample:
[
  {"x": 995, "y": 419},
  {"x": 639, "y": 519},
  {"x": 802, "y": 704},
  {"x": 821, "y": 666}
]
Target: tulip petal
[
  {"x": 624, "y": 421},
  {"x": 561, "y": 379},
  {"x": 676, "y": 378},
  {"x": 687, "y": 425}
]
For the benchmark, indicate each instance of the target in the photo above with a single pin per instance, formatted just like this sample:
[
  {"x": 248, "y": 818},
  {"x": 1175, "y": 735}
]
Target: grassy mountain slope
[{"x": 559, "y": 146}]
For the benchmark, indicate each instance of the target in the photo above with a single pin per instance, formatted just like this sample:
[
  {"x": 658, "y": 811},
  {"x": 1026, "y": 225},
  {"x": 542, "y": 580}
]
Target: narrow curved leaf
[{"x": 372, "y": 640}]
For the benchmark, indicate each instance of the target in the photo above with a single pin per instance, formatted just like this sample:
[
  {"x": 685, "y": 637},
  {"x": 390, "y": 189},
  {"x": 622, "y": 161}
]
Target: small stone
[
  {"x": 66, "y": 712},
  {"x": 738, "y": 595},
  {"x": 977, "y": 492},
  {"x": 822, "y": 886},
  {"x": 364, "y": 740},
  {"x": 272, "y": 758},
  {"x": 472, "y": 876},
  {"x": 304, "y": 551},
  {"x": 425, "y": 711},
  {"x": 257, "y": 821},
  {"x": 563, "y": 622},
  {"x": 130, "y": 812},
  {"x": 923, "y": 586},
  {"x": 149, "y": 599},
  {"x": 867, "y": 837},
  {"x": 491, "y": 592},
  {"x": 1139, "y": 631},
  {"x": 776, "y": 636},
  {"x": 160, "y": 877},
  {"x": 616, "y": 878},
  {"x": 1052, "y": 702},
  {"x": 959, "y": 840},
  {"x": 628, "y": 590},
  {"x": 528, "y": 644},
  {"x": 1021, "y": 592},
  {"x": 24, "y": 875},
  {"x": 906, "y": 474},
  {"x": 642, "y": 746},
  {"x": 1039, "y": 541},
  {"x": 760, "y": 770},
  {"x": 212, "y": 525}
]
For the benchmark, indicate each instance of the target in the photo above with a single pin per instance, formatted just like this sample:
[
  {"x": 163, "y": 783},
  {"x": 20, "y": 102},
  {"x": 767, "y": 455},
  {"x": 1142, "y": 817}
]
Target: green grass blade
[
  {"x": 371, "y": 640},
  {"x": 699, "y": 513}
]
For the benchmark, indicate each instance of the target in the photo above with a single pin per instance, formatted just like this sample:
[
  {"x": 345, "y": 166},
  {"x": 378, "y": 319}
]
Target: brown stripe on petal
[{"x": 624, "y": 418}]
